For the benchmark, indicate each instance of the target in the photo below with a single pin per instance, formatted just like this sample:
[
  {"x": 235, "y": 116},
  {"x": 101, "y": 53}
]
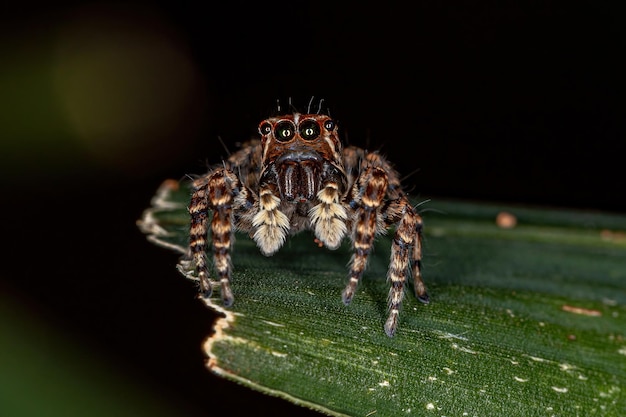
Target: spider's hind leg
[
  {"x": 416, "y": 264},
  {"x": 406, "y": 252}
]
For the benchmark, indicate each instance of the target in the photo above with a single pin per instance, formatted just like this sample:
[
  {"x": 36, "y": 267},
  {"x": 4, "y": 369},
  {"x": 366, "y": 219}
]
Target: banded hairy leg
[
  {"x": 406, "y": 255},
  {"x": 221, "y": 192},
  {"x": 379, "y": 203}
]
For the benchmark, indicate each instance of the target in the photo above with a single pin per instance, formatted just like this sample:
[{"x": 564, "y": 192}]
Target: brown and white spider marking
[{"x": 299, "y": 177}]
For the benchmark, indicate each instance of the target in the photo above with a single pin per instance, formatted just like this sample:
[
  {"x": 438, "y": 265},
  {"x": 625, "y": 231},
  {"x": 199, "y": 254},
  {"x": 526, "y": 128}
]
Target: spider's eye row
[
  {"x": 284, "y": 131},
  {"x": 265, "y": 129},
  {"x": 309, "y": 129}
]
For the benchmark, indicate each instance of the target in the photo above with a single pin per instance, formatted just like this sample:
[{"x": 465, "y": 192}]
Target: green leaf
[{"x": 525, "y": 321}]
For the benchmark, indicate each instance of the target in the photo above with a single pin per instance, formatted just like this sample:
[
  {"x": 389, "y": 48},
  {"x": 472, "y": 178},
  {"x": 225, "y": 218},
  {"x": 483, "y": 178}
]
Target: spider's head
[
  {"x": 295, "y": 134},
  {"x": 299, "y": 149}
]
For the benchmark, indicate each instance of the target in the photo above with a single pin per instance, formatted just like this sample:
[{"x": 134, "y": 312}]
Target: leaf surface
[{"x": 524, "y": 321}]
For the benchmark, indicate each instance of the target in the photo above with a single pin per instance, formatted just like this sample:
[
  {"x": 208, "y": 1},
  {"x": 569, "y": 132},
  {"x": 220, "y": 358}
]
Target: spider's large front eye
[
  {"x": 265, "y": 129},
  {"x": 309, "y": 129},
  {"x": 284, "y": 131}
]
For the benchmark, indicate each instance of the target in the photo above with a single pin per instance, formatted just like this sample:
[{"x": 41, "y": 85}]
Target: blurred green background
[{"x": 101, "y": 101}]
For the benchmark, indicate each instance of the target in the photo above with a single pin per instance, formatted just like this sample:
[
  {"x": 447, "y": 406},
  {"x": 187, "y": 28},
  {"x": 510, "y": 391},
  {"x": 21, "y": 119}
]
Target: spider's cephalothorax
[{"x": 299, "y": 177}]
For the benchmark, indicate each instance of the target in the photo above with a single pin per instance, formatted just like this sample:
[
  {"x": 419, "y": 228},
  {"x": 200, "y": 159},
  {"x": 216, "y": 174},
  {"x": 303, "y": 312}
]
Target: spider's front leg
[
  {"x": 367, "y": 195},
  {"x": 221, "y": 192}
]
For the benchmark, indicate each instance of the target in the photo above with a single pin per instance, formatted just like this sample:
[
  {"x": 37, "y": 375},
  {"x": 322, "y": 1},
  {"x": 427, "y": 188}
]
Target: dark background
[{"x": 513, "y": 102}]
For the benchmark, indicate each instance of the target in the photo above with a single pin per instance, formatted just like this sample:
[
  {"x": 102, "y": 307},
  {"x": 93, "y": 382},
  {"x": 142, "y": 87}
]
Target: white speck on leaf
[
  {"x": 271, "y": 323},
  {"x": 450, "y": 336},
  {"x": 566, "y": 367},
  {"x": 463, "y": 349},
  {"x": 612, "y": 391},
  {"x": 560, "y": 389}
]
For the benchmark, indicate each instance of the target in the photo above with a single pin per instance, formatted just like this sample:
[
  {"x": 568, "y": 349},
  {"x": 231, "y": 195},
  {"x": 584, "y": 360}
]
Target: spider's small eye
[
  {"x": 284, "y": 131},
  {"x": 329, "y": 125},
  {"x": 309, "y": 129},
  {"x": 265, "y": 128}
]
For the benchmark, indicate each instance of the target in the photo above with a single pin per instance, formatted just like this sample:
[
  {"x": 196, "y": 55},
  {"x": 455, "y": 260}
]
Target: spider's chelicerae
[{"x": 298, "y": 176}]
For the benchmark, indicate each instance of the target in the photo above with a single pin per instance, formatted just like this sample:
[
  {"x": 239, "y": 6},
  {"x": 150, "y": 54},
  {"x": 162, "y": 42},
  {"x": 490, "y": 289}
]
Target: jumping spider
[{"x": 298, "y": 176}]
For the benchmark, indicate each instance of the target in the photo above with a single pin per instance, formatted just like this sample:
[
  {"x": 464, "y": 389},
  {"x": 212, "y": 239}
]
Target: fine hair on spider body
[{"x": 298, "y": 176}]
